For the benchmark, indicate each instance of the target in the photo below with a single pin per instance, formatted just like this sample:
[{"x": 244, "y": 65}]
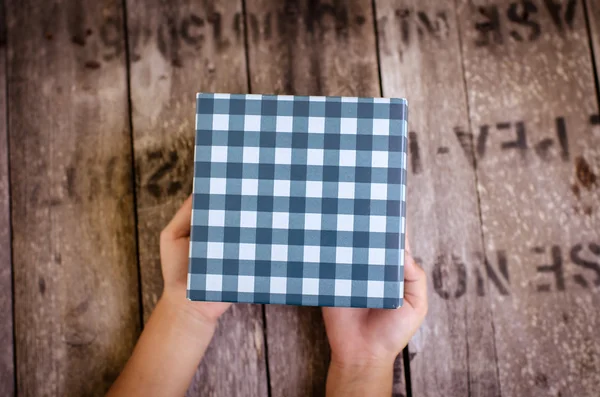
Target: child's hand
[
  {"x": 365, "y": 342},
  {"x": 174, "y": 256},
  {"x": 178, "y": 332}
]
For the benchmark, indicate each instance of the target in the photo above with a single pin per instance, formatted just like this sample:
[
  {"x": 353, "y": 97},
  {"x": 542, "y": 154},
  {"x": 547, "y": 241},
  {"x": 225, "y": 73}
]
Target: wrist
[
  {"x": 361, "y": 377},
  {"x": 185, "y": 319},
  {"x": 168, "y": 352},
  {"x": 362, "y": 368}
]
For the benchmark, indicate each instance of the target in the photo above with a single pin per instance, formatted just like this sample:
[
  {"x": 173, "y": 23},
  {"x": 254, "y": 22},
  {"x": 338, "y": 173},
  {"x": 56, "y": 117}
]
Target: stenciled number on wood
[
  {"x": 159, "y": 181},
  {"x": 550, "y": 261},
  {"x": 433, "y": 25},
  {"x": 282, "y": 20},
  {"x": 442, "y": 268},
  {"x": 187, "y": 31},
  {"x": 427, "y": 24},
  {"x": 521, "y": 20},
  {"x": 513, "y": 137},
  {"x": 112, "y": 38},
  {"x": 520, "y": 141}
]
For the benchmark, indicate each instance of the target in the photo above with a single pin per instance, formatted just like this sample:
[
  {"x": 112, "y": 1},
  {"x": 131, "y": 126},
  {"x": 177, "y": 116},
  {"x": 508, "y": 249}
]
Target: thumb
[{"x": 415, "y": 281}]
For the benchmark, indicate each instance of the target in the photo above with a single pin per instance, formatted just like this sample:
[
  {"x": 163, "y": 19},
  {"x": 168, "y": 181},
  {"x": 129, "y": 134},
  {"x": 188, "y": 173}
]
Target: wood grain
[
  {"x": 75, "y": 273},
  {"x": 307, "y": 48},
  {"x": 7, "y": 369},
  {"x": 177, "y": 49},
  {"x": 399, "y": 379},
  {"x": 453, "y": 352},
  {"x": 531, "y": 93},
  {"x": 593, "y": 20}
]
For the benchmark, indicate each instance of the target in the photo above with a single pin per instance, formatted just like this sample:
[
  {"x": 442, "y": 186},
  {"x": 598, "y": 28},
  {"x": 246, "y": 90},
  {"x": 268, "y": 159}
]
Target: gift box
[{"x": 299, "y": 200}]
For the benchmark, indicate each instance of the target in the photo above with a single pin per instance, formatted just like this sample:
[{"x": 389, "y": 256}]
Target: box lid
[{"x": 299, "y": 200}]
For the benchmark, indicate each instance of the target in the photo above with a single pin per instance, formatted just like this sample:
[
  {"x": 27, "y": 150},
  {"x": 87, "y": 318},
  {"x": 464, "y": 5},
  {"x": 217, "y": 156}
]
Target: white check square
[
  {"x": 279, "y": 252},
  {"x": 281, "y": 220},
  {"x": 251, "y": 122},
  {"x": 214, "y": 250},
  {"x": 345, "y": 222},
  {"x": 347, "y": 158},
  {"x": 379, "y": 159},
  {"x": 377, "y": 223},
  {"x": 218, "y": 154},
  {"x": 343, "y": 288},
  {"x": 251, "y": 155},
  {"x": 249, "y": 187},
  {"x": 346, "y": 190},
  {"x": 278, "y": 285},
  {"x": 246, "y": 283},
  {"x": 379, "y": 191},
  {"x": 214, "y": 282},
  {"x": 310, "y": 286},
  {"x": 312, "y": 221},
  {"x": 376, "y": 256},
  {"x": 218, "y": 186},
  {"x": 314, "y": 189},
  {"x": 284, "y": 123},
  {"x": 314, "y": 156},
  {"x": 283, "y": 155},
  {"x": 381, "y": 127},
  {"x": 348, "y": 126},
  {"x": 343, "y": 255},
  {"x": 247, "y": 251},
  {"x": 216, "y": 218},
  {"x": 316, "y": 125},
  {"x": 220, "y": 122},
  {"x": 312, "y": 253},
  {"x": 248, "y": 219},
  {"x": 375, "y": 289},
  {"x": 281, "y": 188}
]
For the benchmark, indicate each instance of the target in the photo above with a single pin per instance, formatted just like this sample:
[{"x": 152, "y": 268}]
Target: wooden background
[{"x": 96, "y": 147}]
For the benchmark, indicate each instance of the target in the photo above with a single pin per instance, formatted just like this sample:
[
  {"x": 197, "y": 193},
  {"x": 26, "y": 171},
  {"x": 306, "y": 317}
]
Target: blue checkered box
[{"x": 299, "y": 200}]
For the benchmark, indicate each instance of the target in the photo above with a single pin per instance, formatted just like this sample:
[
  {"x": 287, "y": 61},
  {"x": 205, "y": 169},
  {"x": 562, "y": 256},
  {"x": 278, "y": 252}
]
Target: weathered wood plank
[
  {"x": 453, "y": 352},
  {"x": 531, "y": 94},
  {"x": 7, "y": 369},
  {"x": 75, "y": 273},
  {"x": 593, "y": 19},
  {"x": 309, "y": 48},
  {"x": 177, "y": 49},
  {"x": 399, "y": 384}
]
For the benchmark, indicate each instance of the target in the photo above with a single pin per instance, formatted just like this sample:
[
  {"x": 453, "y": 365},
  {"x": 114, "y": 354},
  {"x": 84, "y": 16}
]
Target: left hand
[
  {"x": 174, "y": 256},
  {"x": 178, "y": 332},
  {"x": 363, "y": 339}
]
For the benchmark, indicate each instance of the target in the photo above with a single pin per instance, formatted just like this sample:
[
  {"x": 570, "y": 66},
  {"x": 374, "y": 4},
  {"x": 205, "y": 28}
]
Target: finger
[
  {"x": 412, "y": 271},
  {"x": 409, "y": 263},
  {"x": 415, "y": 280},
  {"x": 180, "y": 224},
  {"x": 415, "y": 283}
]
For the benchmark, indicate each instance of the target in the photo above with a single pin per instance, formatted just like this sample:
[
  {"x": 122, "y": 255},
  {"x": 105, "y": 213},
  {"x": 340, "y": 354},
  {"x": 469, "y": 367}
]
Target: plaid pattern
[{"x": 299, "y": 200}]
